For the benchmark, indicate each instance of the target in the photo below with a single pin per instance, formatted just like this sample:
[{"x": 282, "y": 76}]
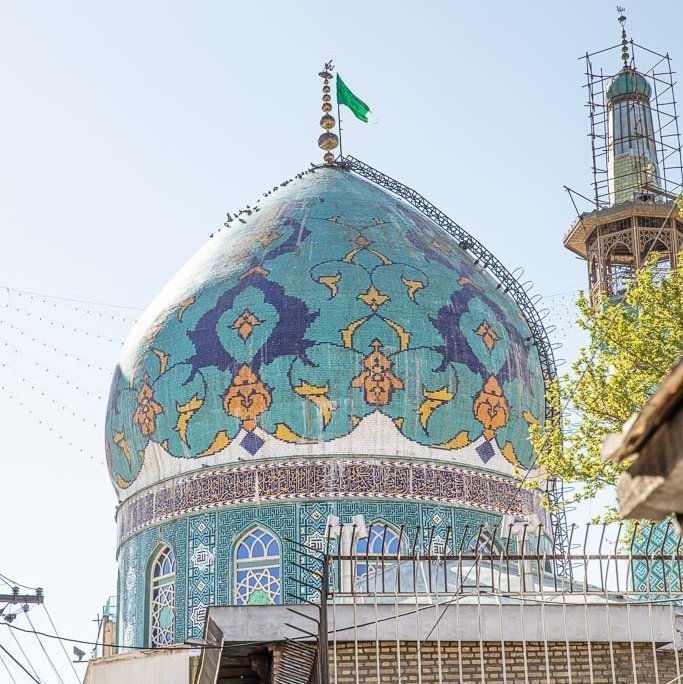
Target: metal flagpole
[{"x": 341, "y": 148}]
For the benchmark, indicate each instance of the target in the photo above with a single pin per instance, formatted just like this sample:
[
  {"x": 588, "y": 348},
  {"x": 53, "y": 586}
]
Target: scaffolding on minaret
[
  {"x": 637, "y": 167},
  {"x": 661, "y": 176}
]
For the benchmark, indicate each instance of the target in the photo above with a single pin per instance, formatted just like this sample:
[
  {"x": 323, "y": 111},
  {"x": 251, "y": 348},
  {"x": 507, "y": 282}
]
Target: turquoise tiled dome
[
  {"x": 628, "y": 82},
  {"x": 329, "y": 301}
]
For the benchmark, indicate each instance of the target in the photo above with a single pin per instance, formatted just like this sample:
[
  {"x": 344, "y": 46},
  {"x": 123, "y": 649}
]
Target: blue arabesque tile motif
[{"x": 332, "y": 300}]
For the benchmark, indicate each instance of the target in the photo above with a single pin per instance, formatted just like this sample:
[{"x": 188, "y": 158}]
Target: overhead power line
[
  {"x": 173, "y": 647},
  {"x": 23, "y": 653},
  {"x": 12, "y": 583},
  {"x": 61, "y": 643},
  {"x": 37, "y": 681},
  {"x": 11, "y": 676},
  {"x": 44, "y": 650}
]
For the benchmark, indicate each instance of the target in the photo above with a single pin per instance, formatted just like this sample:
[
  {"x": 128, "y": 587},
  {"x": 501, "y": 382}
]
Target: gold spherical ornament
[
  {"x": 327, "y": 107},
  {"x": 328, "y": 141},
  {"x": 326, "y": 98},
  {"x": 327, "y": 122},
  {"x": 328, "y": 158},
  {"x": 326, "y": 89}
]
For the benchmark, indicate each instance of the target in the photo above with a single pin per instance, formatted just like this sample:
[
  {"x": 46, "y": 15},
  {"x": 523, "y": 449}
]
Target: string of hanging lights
[
  {"x": 50, "y": 370},
  {"x": 59, "y": 325},
  {"x": 59, "y": 304},
  {"x": 26, "y": 382},
  {"x": 89, "y": 364}
]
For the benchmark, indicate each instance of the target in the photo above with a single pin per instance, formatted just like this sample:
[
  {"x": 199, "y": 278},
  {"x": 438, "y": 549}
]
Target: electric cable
[
  {"x": 56, "y": 324},
  {"x": 61, "y": 643},
  {"x": 42, "y": 646},
  {"x": 12, "y": 583},
  {"x": 57, "y": 350},
  {"x": 57, "y": 404},
  {"x": 49, "y": 426},
  {"x": 55, "y": 303},
  {"x": 52, "y": 372},
  {"x": 37, "y": 681},
  {"x": 23, "y": 653},
  {"x": 11, "y": 676},
  {"x": 86, "y": 642}
]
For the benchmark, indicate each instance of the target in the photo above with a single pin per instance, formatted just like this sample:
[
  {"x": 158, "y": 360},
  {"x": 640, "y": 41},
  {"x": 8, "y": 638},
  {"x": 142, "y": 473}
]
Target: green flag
[{"x": 346, "y": 97}]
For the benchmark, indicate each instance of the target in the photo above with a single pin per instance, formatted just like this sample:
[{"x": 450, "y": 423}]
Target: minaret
[
  {"x": 635, "y": 213},
  {"x": 632, "y": 153}
]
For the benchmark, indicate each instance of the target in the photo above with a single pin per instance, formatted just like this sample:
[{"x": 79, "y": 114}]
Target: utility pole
[{"x": 24, "y": 599}]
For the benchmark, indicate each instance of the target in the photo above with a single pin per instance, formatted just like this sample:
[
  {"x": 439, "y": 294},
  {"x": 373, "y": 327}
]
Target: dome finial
[
  {"x": 624, "y": 40},
  {"x": 327, "y": 141}
]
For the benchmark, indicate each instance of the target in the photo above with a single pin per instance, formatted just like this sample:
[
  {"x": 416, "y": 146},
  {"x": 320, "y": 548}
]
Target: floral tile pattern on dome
[{"x": 334, "y": 301}]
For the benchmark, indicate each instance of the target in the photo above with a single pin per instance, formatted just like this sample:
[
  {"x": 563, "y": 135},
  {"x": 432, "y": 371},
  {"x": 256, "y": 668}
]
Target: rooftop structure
[
  {"x": 652, "y": 486},
  {"x": 332, "y": 354},
  {"x": 488, "y": 607}
]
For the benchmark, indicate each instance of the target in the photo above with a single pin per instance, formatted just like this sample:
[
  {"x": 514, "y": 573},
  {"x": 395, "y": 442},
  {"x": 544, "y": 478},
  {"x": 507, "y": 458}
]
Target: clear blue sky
[{"x": 128, "y": 129}]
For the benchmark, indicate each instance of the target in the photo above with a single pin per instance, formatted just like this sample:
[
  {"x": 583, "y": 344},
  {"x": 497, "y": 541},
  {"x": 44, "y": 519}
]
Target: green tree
[{"x": 633, "y": 345}]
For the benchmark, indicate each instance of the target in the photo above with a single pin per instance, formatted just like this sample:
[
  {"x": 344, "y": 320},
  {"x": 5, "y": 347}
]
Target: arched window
[
  {"x": 663, "y": 265},
  {"x": 257, "y": 569},
  {"x": 382, "y": 540},
  {"x": 482, "y": 544},
  {"x": 619, "y": 269},
  {"x": 162, "y": 598}
]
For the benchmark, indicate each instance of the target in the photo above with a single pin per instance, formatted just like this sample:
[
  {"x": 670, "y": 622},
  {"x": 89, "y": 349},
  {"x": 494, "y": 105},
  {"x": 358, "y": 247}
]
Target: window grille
[
  {"x": 162, "y": 598},
  {"x": 382, "y": 540},
  {"x": 257, "y": 569}
]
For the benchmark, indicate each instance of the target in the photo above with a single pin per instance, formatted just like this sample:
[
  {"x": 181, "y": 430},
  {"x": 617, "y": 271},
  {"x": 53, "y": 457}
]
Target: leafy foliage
[{"x": 633, "y": 345}]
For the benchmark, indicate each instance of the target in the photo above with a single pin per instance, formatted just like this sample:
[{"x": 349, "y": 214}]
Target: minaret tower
[
  {"x": 636, "y": 170},
  {"x": 632, "y": 154}
]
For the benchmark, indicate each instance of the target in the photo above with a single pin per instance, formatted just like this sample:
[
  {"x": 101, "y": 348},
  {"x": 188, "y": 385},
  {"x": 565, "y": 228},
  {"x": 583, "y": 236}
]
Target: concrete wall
[
  {"x": 488, "y": 622},
  {"x": 172, "y": 666}
]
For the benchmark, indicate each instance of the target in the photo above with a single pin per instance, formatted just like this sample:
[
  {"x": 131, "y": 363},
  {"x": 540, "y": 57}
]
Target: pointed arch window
[
  {"x": 258, "y": 575},
  {"x": 162, "y": 598},
  {"x": 663, "y": 264},
  {"x": 620, "y": 266},
  {"x": 483, "y": 544},
  {"x": 382, "y": 540}
]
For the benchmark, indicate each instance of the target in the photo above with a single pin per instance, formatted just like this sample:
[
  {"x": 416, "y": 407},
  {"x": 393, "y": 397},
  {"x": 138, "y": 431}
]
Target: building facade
[{"x": 331, "y": 358}]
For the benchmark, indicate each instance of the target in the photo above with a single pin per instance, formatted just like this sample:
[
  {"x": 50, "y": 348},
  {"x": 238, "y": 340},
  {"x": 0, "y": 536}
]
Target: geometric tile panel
[
  {"x": 201, "y": 580},
  {"x": 204, "y": 545},
  {"x": 657, "y": 574}
]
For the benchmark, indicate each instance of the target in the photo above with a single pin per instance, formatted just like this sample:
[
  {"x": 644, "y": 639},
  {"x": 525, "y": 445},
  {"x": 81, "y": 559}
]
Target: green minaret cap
[{"x": 628, "y": 82}]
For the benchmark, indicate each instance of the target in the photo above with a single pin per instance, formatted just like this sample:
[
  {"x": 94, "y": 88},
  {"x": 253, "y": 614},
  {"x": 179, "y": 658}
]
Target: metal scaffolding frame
[
  {"x": 664, "y": 113},
  {"x": 506, "y": 282}
]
